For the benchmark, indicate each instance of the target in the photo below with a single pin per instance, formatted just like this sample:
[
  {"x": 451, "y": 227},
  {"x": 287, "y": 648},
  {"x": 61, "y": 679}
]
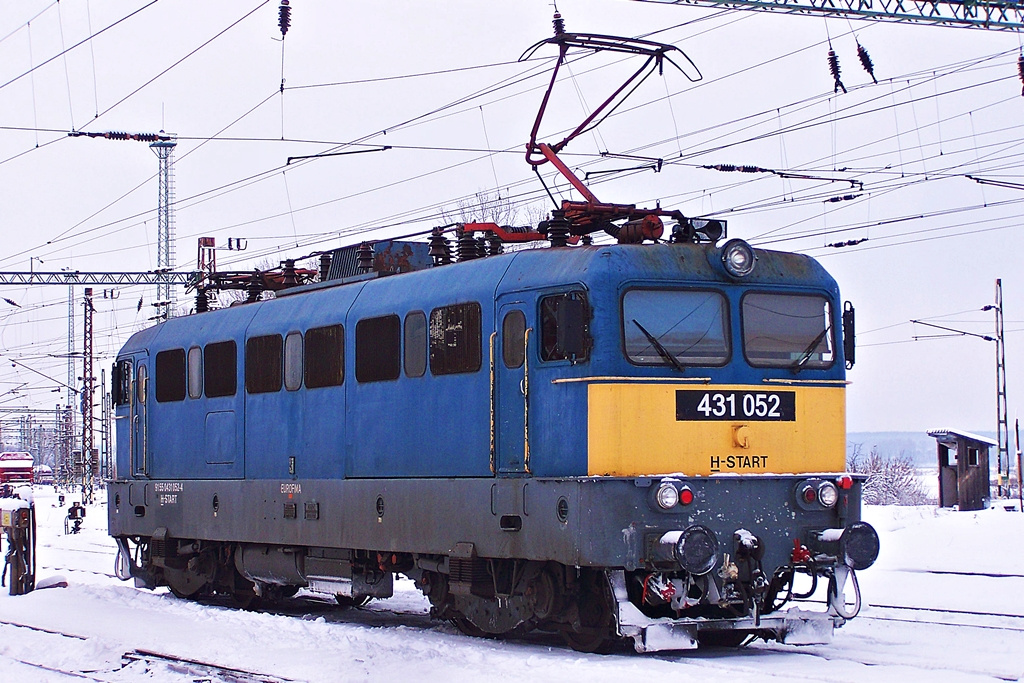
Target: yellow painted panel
[{"x": 633, "y": 431}]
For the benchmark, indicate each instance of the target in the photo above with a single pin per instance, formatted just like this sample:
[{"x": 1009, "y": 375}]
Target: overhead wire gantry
[{"x": 1000, "y": 15}]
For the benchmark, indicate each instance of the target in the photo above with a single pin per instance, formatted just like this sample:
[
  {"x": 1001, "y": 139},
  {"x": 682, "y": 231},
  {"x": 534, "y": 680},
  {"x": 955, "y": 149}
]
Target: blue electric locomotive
[{"x": 622, "y": 440}]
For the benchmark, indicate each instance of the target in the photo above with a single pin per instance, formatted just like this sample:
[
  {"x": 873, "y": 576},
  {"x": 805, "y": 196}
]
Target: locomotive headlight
[
  {"x": 667, "y": 496},
  {"x": 738, "y": 258},
  {"x": 828, "y": 494}
]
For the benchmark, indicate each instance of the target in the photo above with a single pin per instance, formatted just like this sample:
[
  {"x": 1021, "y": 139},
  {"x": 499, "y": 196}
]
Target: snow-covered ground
[{"x": 967, "y": 567}]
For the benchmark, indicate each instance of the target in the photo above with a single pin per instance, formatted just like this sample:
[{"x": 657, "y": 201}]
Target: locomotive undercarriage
[
  {"x": 586, "y": 558},
  {"x": 488, "y": 597}
]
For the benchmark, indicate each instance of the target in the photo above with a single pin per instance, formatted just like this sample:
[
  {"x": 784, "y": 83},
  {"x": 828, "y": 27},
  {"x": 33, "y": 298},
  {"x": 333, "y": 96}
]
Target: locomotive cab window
[
  {"x": 378, "y": 345},
  {"x": 565, "y": 327},
  {"x": 455, "y": 339},
  {"x": 675, "y": 327},
  {"x": 220, "y": 369},
  {"x": 788, "y": 330},
  {"x": 170, "y": 375},
  {"x": 263, "y": 361},
  {"x": 325, "y": 356}
]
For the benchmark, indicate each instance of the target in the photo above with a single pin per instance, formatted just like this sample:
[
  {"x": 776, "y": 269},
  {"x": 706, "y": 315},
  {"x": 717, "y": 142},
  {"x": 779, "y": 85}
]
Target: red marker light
[
  {"x": 845, "y": 482},
  {"x": 800, "y": 553},
  {"x": 809, "y": 495},
  {"x": 685, "y": 495}
]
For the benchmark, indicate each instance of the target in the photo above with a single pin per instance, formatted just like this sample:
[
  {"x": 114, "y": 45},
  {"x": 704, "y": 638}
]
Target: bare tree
[
  {"x": 490, "y": 207},
  {"x": 891, "y": 480}
]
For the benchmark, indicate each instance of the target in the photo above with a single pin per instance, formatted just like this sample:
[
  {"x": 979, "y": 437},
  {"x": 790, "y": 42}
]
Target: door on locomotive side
[
  {"x": 514, "y": 336},
  {"x": 138, "y": 417}
]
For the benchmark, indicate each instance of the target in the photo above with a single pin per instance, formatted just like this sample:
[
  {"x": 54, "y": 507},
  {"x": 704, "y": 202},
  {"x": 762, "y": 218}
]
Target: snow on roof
[
  {"x": 15, "y": 455},
  {"x": 940, "y": 433}
]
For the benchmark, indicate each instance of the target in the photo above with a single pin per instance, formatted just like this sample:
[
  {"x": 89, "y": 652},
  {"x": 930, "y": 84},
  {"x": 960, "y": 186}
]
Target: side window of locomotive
[
  {"x": 263, "y": 363},
  {"x": 170, "y": 375},
  {"x": 690, "y": 326},
  {"x": 121, "y": 382},
  {"x": 325, "y": 356},
  {"x": 293, "y": 361},
  {"x": 220, "y": 369},
  {"x": 195, "y": 372},
  {"x": 565, "y": 327},
  {"x": 378, "y": 348},
  {"x": 141, "y": 385},
  {"x": 513, "y": 339},
  {"x": 415, "y": 344},
  {"x": 455, "y": 339},
  {"x": 788, "y": 330}
]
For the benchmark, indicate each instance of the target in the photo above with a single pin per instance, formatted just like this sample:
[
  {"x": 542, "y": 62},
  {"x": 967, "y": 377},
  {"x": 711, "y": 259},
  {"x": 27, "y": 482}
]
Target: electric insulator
[
  {"x": 865, "y": 61},
  {"x": 558, "y": 229},
  {"x": 325, "y": 266},
  {"x": 364, "y": 258},
  {"x": 833, "y": 66},
  {"x": 466, "y": 246},
  {"x": 202, "y": 301},
  {"x": 254, "y": 287},
  {"x": 559, "y": 24},
  {"x": 284, "y": 17},
  {"x": 494, "y": 246},
  {"x": 440, "y": 250},
  {"x": 289, "y": 277},
  {"x": 1020, "y": 70}
]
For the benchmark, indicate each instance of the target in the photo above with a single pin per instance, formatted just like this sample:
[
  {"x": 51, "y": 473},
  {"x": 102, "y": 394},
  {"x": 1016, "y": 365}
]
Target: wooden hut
[{"x": 963, "y": 469}]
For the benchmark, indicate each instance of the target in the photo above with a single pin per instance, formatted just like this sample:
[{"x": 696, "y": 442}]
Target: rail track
[{"x": 154, "y": 664}]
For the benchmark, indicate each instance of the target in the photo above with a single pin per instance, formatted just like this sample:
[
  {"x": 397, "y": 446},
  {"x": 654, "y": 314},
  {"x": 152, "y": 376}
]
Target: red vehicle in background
[{"x": 16, "y": 468}]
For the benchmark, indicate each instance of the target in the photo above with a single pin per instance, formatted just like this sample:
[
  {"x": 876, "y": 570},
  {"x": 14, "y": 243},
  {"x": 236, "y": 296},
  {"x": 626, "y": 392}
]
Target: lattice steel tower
[
  {"x": 1002, "y": 426},
  {"x": 164, "y": 150}
]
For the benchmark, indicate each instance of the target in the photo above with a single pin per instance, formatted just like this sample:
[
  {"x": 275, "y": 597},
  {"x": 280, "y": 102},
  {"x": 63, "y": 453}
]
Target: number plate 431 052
[{"x": 767, "y": 406}]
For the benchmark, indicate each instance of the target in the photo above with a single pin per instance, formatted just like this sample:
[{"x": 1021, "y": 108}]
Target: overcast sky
[{"x": 947, "y": 104}]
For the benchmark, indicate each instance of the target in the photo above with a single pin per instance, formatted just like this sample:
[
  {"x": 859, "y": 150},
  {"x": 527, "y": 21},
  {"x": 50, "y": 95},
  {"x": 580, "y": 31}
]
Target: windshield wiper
[
  {"x": 662, "y": 351},
  {"x": 809, "y": 351}
]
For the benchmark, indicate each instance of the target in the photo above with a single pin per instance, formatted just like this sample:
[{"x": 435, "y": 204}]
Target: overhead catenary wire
[{"x": 78, "y": 44}]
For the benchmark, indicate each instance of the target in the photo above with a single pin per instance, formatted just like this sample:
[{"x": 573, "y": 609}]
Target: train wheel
[
  {"x": 591, "y": 640},
  {"x": 243, "y": 592},
  {"x": 468, "y": 628},
  {"x": 183, "y": 583},
  {"x": 245, "y": 598},
  {"x": 594, "y": 602}
]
